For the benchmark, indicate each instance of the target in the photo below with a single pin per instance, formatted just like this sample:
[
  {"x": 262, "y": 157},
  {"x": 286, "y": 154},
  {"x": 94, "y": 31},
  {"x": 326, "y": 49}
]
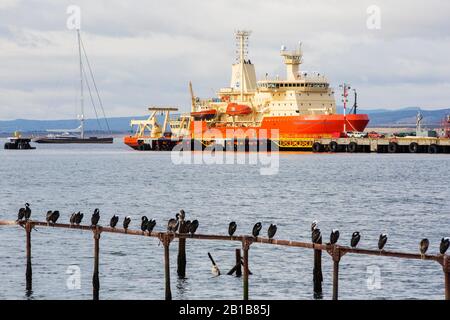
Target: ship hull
[
  {"x": 315, "y": 126},
  {"x": 91, "y": 140}
]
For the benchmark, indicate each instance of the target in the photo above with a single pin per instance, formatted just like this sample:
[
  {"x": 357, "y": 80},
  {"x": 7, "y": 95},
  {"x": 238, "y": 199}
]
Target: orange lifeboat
[
  {"x": 204, "y": 114},
  {"x": 234, "y": 109}
]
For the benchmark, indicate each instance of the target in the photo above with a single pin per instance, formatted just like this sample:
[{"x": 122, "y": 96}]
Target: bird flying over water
[
  {"x": 95, "y": 218},
  {"x": 445, "y": 243},
  {"x": 232, "y": 228},
  {"x": 423, "y": 246},
  {"x": 256, "y": 229},
  {"x": 114, "y": 220},
  {"x": 356, "y": 236},
  {"x": 271, "y": 231},
  {"x": 334, "y": 236},
  {"x": 126, "y": 222},
  {"x": 382, "y": 241}
]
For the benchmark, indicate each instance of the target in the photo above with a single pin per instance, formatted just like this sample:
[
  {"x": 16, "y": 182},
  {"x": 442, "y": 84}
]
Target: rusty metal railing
[{"x": 335, "y": 251}]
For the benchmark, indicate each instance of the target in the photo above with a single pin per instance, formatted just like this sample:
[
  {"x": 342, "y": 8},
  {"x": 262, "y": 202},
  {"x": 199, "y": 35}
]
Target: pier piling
[
  {"x": 95, "y": 276},
  {"x": 166, "y": 242},
  {"x": 317, "y": 272},
  {"x": 29, "y": 271},
  {"x": 181, "y": 261},
  {"x": 246, "y": 246},
  {"x": 336, "y": 255},
  {"x": 446, "y": 267}
]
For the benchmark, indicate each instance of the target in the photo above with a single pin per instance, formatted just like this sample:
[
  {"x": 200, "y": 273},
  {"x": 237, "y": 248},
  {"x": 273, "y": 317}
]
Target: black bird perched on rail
[
  {"x": 445, "y": 243},
  {"x": 334, "y": 236},
  {"x": 113, "y": 222},
  {"x": 271, "y": 231},
  {"x": 232, "y": 228},
  {"x": 126, "y": 222},
  {"x": 193, "y": 227},
  {"x": 172, "y": 225},
  {"x": 316, "y": 235},
  {"x": 423, "y": 247},
  {"x": 182, "y": 215},
  {"x": 144, "y": 222},
  {"x": 187, "y": 225},
  {"x": 53, "y": 217},
  {"x": 78, "y": 218},
  {"x": 382, "y": 241},
  {"x": 356, "y": 236},
  {"x": 72, "y": 218},
  {"x": 21, "y": 214},
  {"x": 27, "y": 211},
  {"x": 256, "y": 229},
  {"x": 95, "y": 218},
  {"x": 151, "y": 225},
  {"x": 48, "y": 215}
]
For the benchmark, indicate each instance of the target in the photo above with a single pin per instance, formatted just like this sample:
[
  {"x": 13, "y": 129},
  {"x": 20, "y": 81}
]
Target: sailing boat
[{"x": 77, "y": 135}]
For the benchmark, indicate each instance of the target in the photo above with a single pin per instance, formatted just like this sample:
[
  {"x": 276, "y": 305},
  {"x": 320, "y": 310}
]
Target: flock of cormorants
[{"x": 190, "y": 227}]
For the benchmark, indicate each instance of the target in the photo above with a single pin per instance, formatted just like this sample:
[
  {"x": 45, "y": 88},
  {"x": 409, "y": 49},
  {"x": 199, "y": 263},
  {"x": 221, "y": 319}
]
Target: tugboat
[
  {"x": 18, "y": 143},
  {"x": 70, "y": 135}
]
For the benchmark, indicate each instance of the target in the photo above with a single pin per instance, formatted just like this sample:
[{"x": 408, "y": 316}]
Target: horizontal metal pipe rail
[{"x": 335, "y": 251}]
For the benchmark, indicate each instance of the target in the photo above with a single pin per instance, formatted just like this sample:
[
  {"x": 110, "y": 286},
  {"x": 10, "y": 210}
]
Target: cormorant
[
  {"x": 27, "y": 211},
  {"x": 151, "y": 225},
  {"x": 187, "y": 225},
  {"x": 334, "y": 236},
  {"x": 48, "y": 215},
  {"x": 445, "y": 243},
  {"x": 172, "y": 225},
  {"x": 54, "y": 217},
  {"x": 144, "y": 223},
  {"x": 256, "y": 229},
  {"x": 382, "y": 241},
  {"x": 316, "y": 235},
  {"x": 423, "y": 247},
  {"x": 313, "y": 225},
  {"x": 78, "y": 218},
  {"x": 113, "y": 222},
  {"x": 271, "y": 231},
  {"x": 232, "y": 228},
  {"x": 356, "y": 236},
  {"x": 72, "y": 218},
  {"x": 95, "y": 218},
  {"x": 21, "y": 214},
  {"x": 193, "y": 226},
  {"x": 126, "y": 222},
  {"x": 182, "y": 214}
]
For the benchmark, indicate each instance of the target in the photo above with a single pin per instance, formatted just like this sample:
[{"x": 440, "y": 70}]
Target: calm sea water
[{"x": 405, "y": 196}]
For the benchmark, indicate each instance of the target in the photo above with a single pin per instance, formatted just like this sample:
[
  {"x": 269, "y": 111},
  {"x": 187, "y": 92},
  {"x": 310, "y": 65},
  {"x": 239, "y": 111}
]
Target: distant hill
[{"x": 378, "y": 118}]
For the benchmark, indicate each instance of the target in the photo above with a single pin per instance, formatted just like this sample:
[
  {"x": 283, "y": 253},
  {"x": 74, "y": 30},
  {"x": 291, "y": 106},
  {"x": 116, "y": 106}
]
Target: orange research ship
[{"x": 300, "y": 106}]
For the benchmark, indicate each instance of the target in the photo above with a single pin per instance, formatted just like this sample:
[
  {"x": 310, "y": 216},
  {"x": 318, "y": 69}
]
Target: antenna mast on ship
[
  {"x": 81, "y": 86},
  {"x": 345, "y": 87},
  {"x": 242, "y": 44}
]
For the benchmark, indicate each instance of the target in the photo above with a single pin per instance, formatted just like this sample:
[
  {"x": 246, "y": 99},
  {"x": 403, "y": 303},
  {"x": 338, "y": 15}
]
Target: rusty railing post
[
  {"x": 95, "y": 277},
  {"x": 181, "y": 261},
  {"x": 246, "y": 246},
  {"x": 317, "y": 272},
  {"x": 336, "y": 255},
  {"x": 29, "y": 271},
  {"x": 166, "y": 243},
  {"x": 446, "y": 268},
  {"x": 238, "y": 263}
]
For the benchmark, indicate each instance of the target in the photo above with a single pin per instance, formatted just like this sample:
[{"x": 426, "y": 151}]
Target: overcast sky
[{"x": 145, "y": 52}]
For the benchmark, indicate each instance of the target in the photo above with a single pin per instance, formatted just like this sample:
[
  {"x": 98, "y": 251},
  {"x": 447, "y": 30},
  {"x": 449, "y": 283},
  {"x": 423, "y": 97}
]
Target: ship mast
[
  {"x": 81, "y": 86},
  {"x": 242, "y": 44}
]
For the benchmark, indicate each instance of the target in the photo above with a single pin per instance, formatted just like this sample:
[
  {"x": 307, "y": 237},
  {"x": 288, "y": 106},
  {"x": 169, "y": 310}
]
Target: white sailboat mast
[{"x": 81, "y": 86}]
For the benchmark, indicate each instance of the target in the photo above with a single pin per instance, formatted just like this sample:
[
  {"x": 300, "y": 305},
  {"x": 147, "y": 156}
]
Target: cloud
[{"x": 145, "y": 52}]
